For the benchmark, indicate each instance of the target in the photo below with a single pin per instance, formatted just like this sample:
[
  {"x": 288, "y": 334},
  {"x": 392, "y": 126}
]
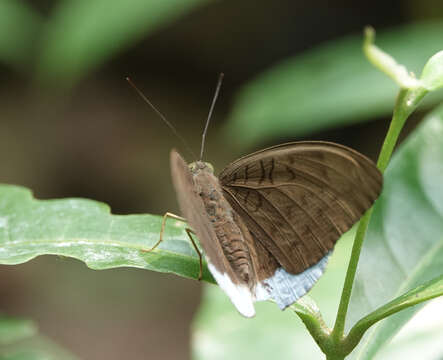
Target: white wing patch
[
  {"x": 282, "y": 287},
  {"x": 240, "y": 295}
]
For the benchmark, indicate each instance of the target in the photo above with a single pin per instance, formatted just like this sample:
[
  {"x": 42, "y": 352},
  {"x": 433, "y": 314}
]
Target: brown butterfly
[{"x": 268, "y": 223}]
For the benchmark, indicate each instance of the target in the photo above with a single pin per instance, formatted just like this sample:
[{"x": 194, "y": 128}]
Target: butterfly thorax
[
  {"x": 223, "y": 220},
  {"x": 198, "y": 166}
]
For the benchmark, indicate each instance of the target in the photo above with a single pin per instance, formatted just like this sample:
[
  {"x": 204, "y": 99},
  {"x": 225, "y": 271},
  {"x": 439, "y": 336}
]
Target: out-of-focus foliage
[
  {"x": 19, "y": 340},
  {"x": 432, "y": 74},
  {"x": 12, "y": 330},
  {"x": 420, "y": 338},
  {"x": 328, "y": 86},
  {"x": 82, "y": 34},
  {"x": 423, "y": 292},
  {"x": 19, "y": 28}
]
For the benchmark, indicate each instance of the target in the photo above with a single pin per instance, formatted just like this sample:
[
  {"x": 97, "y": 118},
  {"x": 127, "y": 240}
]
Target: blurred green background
[{"x": 70, "y": 126}]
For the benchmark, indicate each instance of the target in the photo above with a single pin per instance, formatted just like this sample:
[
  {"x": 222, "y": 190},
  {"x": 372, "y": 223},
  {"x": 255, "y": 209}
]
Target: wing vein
[
  {"x": 300, "y": 256},
  {"x": 355, "y": 185},
  {"x": 330, "y": 190},
  {"x": 313, "y": 179},
  {"x": 291, "y": 184},
  {"x": 313, "y": 192},
  {"x": 319, "y": 244}
]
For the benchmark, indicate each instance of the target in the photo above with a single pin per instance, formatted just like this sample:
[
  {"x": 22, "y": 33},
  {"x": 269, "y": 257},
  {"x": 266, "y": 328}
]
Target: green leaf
[
  {"x": 404, "y": 244},
  {"x": 432, "y": 74},
  {"x": 19, "y": 26},
  {"x": 85, "y": 230},
  {"x": 83, "y": 34},
  {"x": 420, "y": 338},
  {"x": 328, "y": 86}
]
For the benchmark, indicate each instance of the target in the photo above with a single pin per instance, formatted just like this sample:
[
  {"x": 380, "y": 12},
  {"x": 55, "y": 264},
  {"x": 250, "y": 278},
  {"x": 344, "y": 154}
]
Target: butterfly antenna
[
  {"x": 211, "y": 109},
  {"x": 143, "y": 96}
]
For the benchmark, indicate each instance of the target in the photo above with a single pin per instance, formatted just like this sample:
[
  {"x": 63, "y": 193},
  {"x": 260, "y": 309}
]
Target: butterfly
[{"x": 269, "y": 222}]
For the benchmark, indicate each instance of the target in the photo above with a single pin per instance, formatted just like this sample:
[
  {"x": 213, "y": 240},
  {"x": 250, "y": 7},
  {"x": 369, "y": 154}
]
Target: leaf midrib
[{"x": 74, "y": 241}]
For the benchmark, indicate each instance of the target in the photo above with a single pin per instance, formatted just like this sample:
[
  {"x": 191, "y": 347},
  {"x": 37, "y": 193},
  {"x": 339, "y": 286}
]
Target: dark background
[{"x": 98, "y": 140}]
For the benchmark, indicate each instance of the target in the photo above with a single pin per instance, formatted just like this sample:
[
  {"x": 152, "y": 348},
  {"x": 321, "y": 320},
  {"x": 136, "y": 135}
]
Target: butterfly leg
[
  {"x": 162, "y": 230},
  {"x": 188, "y": 231},
  {"x": 200, "y": 258}
]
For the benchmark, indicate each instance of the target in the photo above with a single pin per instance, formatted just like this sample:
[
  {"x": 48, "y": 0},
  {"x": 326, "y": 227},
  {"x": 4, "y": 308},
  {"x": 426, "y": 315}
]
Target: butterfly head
[{"x": 199, "y": 166}]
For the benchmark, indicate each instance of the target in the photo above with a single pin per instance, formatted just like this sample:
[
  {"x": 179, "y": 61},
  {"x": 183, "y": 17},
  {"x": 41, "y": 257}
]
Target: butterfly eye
[{"x": 192, "y": 167}]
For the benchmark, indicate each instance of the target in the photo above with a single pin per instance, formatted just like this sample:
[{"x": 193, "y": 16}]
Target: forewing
[
  {"x": 193, "y": 209},
  {"x": 298, "y": 198}
]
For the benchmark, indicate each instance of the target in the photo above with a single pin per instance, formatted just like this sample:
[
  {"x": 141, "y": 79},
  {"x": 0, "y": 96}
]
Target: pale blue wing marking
[{"x": 285, "y": 288}]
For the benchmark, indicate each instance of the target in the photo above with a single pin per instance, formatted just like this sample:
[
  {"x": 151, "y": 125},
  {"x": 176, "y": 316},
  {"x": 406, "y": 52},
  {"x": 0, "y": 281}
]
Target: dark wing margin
[{"x": 297, "y": 199}]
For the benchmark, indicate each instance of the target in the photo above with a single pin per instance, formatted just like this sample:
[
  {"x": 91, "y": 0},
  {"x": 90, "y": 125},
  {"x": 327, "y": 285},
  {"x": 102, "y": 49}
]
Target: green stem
[
  {"x": 337, "y": 332},
  {"x": 318, "y": 330},
  {"x": 308, "y": 312},
  {"x": 335, "y": 357},
  {"x": 406, "y": 103}
]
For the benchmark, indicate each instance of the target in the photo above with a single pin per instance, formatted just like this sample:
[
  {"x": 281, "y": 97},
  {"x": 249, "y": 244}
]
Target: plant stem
[
  {"x": 406, "y": 102},
  {"x": 335, "y": 357},
  {"x": 337, "y": 332}
]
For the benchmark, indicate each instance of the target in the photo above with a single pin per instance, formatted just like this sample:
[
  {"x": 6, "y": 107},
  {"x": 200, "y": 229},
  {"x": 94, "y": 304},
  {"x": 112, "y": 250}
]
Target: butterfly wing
[
  {"x": 297, "y": 199},
  {"x": 193, "y": 209}
]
